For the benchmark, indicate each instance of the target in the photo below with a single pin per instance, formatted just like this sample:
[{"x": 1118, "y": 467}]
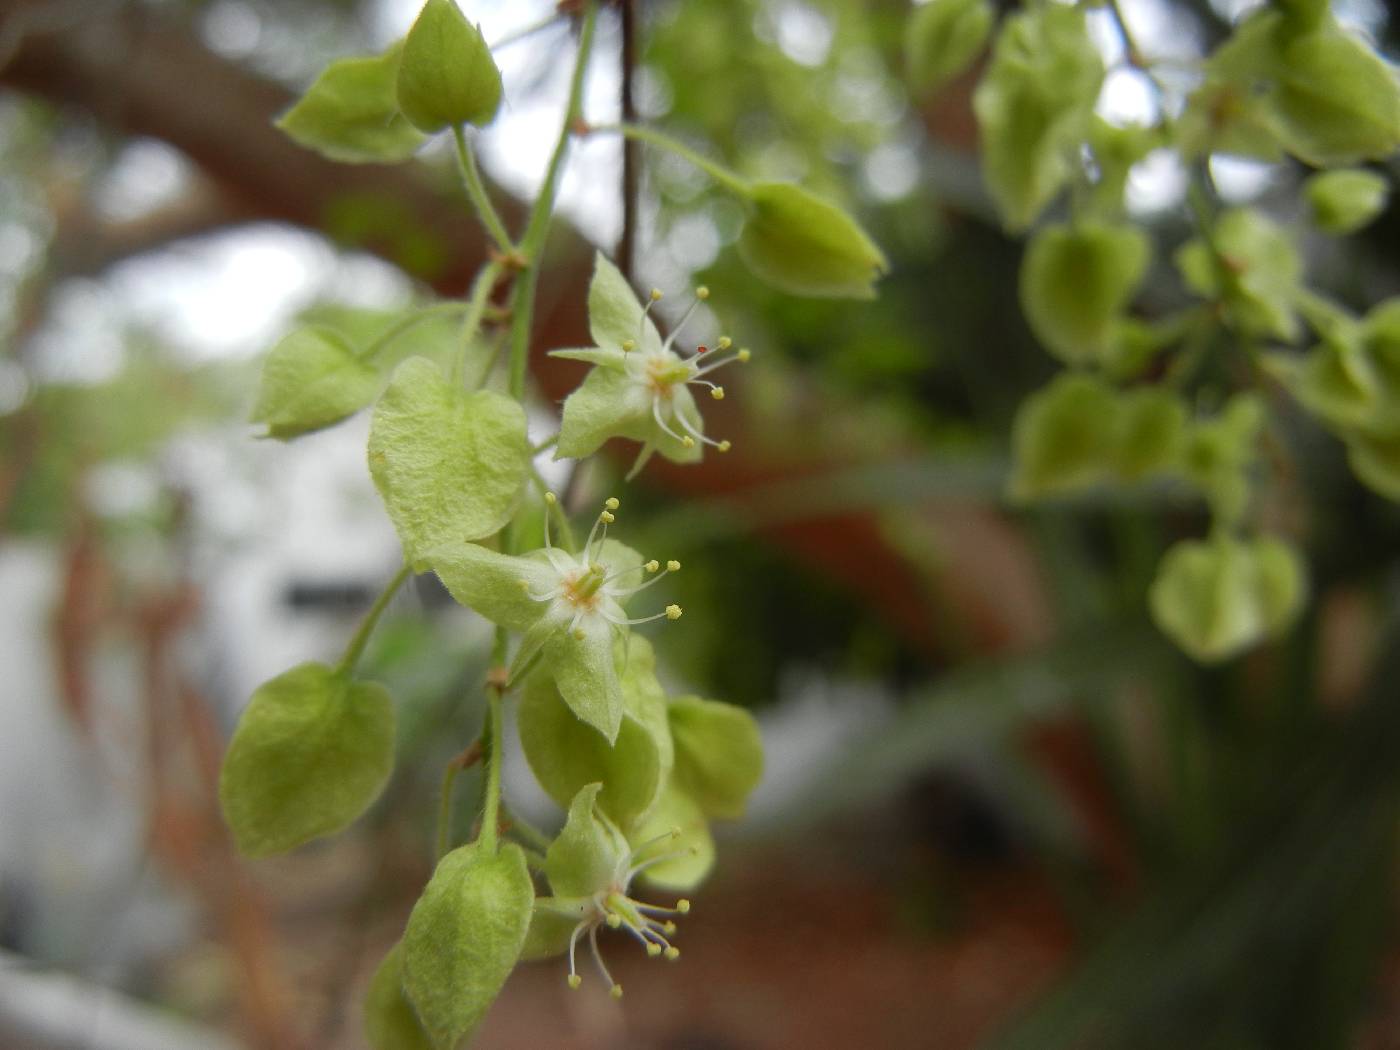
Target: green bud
[
  {"x": 464, "y": 937},
  {"x": 1343, "y": 202},
  {"x": 1063, "y": 437},
  {"x": 447, "y": 76},
  {"x": 351, "y": 112},
  {"x": 312, "y": 750},
  {"x": 1257, "y": 275},
  {"x": 390, "y": 1023},
  {"x": 586, "y": 855},
  {"x": 1034, "y": 106},
  {"x": 942, "y": 38},
  {"x": 719, "y": 754},
  {"x": 1218, "y": 598},
  {"x": 448, "y": 464},
  {"x": 1076, "y": 281},
  {"x": 806, "y": 245},
  {"x": 310, "y": 380}
]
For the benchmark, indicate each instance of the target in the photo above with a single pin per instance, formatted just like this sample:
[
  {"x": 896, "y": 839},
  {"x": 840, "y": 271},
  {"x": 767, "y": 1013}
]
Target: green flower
[
  {"x": 569, "y": 607},
  {"x": 640, "y": 386},
  {"x": 590, "y": 868}
]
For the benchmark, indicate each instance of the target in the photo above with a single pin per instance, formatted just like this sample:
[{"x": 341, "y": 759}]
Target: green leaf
[
  {"x": 1034, "y": 106},
  {"x": 942, "y": 38},
  {"x": 311, "y": 752},
  {"x": 464, "y": 937},
  {"x": 1257, "y": 275},
  {"x": 448, "y": 464},
  {"x": 351, "y": 113},
  {"x": 806, "y": 245},
  {"x": 447, "y": 76},
  {"x": 390, "y": 1023},
  {"x": 585, "y": 857},
  {"x": 1343, "y": 202},
  {"x": 312, "y": 379},
  {"x": 1151, "y": 433},
  {"x": 1063, "y": 437},
  {"x": 1218, "y": 598},
  {"x": 1076, "y": 281},
  {"x": 566, "y": 754},
  {"x": 1337, "y": 101},
  {"x": 1375, "y": 460},
  {"x": 676, "y": 810},
  {"x": 719, "y": 754}
]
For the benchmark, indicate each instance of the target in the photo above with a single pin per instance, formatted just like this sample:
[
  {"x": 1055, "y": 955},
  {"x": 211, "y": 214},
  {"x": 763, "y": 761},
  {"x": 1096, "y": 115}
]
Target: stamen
[
  {"x": 672, "y": 612},
  {"x": 656, "y": 414},
  {"x": 682, "y": 906},
  {"x": 671, "y": 339},
  {"x": 598, "y": 958},
  {"x": 574, "y": 979},
  {"x": 628, "y": 592},
  {"x": 699, "y": 436},
  {"x": 549, "y": 503}
]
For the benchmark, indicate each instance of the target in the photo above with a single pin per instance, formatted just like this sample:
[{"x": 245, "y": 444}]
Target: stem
[
  {"x": 537, "y": 228},
  {"x": 722, "y": 175},
  {"x": 631, "y": 167},
  {"x": 527, "y": 831},
  {"x": 444, "y": 823},
  {"x": 476, "y": 309},
  {"x": 357, "y": 644},
  {"x": 547, "y": 443},
  {"x": 530, "y": 30},
  {"x": 404, "y": 324},
  {"x": 476, "y": 191},
  {"x": 491, "y": 811}
]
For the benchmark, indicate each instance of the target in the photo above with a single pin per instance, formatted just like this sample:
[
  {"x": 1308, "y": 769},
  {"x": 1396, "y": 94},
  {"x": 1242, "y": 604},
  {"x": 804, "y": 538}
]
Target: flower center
[
  {"x": 582, "y": 589},
  {"x": 664, "y": 372}
]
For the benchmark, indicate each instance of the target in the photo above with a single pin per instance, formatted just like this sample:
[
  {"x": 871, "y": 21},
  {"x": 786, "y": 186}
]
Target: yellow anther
[
  {"x": 579, "y": 634},
  {"x": 702, "y": 293},
  {"x": 673, "y": 612},
  {"x": 615, "y": 991},
  {"x": 717, "y": 392},
  {"x": 614, "y": 920},
  {"x": 673, "y": 953},
  {"x": 724, "y": 343},
  {"x": 683, "y": 906},
  {"x": 656, "y": 295},
  {"x": 668, "y": 927},
  {"x": 673, "y": 566},
  {"x": 612, "y": 503},
  {"x": 550, "y": 498},
  {"x": 652, "y": 565},
  {"x": 628, "y": 345},
  {"x": 606, "y": 517},
  {"x": 575, "y": 980},
  {"x": 675, "y": 831},
  {"x": 723, "y": 446},
  {"x": 687, "y": 442},
  {"x": 744, "y": 355},
  {"x": 653, "y": 949}
]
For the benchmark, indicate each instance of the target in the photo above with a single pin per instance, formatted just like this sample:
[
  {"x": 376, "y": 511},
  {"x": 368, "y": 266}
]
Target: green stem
[
  {"x": 476, "y": 192},
  {"x": 356, "y": 648},
  {"x": 476, "y": 309},
  {"x": 530, "y": 30},
  {"x": 537, "y": 228},
  {"x": 527, "y": 831},
  {"x": 547, "y": 443},
  {"x": 444, "y": 823},
  {"x": 641, "y": 133},
  {"x": 491, "y": 811},
  {"x": 404, "y": 324}
]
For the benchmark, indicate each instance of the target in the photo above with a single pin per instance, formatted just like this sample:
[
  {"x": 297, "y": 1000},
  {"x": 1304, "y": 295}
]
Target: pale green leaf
[
  {"x": 312, "y": 750},
  {"x": 351, "y": 112},
  {"x": 448, "y": 464},
  {"x": 311, "y": 379}
]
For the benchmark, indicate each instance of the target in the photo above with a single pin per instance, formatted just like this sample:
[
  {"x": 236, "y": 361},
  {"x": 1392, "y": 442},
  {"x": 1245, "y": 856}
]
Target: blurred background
[{"x": 1000, "y": 810}]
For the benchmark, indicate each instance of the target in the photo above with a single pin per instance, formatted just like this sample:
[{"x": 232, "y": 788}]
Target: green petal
[
  {"x": 607, "y": 404},
  {"x": 549, "y": 932},
  {"x": 586, "y": 855},
  {"x": 584, "y": 670},
  {"x": 594, "y": 355},
  {"x": 311, "y": 379},
  {"x": 614, "y": 314},
  {"x": 496, "y": 585}
]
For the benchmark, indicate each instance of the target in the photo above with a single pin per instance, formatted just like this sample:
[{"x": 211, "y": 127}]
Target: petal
[
  {"x": 607, "y": 357},
  {"x": 607, "y": 404},
  {"x": 498, "y": 586},
  {"x": 614, "y": 314},
  {"x": 586, "y": 674}
]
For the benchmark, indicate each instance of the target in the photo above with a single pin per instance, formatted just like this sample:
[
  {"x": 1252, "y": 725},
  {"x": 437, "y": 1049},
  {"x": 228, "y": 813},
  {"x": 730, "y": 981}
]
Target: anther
[
  {"x": 575, "y": 980},
  {"x": 614, "y": 920},
  {"x": 652, "y": 565},
  {"x": 606, "y": 517},
  {"x": 615, "y": 991},
  {"x": 653, "y": 949},
  {"x": 702, "y": 293},
  {"x": 673, "y": 566},
  {"x": 725, "y": 342},
  {"x": 687, "y": 442},
  {"x": 683, "y": 906},
  {"x": 744, "y": 355},
  {"x": 550, "y": 498},
  {"x": 628, "y": 345},
  {"x": 724, "y": 446},
  {"x": 701, "y": 349},
  {"x": 579, "y": 634},
  {"x": 673, "y": 953},
  {"x": 656, "y": 295},
  {"x": 668, "y": 927},
  {"x": 673, "y": 612},
  {"x": 612, "y": 503},
  {"x": 717, "y": 393}
]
